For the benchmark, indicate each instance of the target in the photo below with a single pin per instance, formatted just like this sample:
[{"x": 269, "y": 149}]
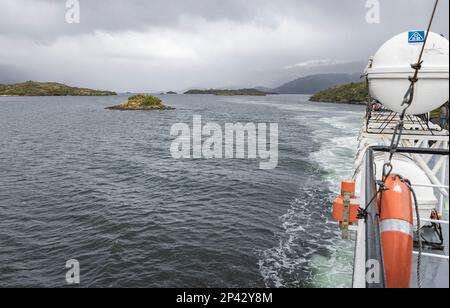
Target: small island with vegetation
[
  {"x": 141, "y": 102},
  {"x": 240, "y": 92},
  {"x": 353, "y": 93},
  {"x": 32, "y": 88}
]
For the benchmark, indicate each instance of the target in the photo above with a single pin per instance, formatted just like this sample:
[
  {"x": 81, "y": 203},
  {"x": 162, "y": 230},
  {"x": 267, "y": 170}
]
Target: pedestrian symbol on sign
[{"x": 416, "y": 37}]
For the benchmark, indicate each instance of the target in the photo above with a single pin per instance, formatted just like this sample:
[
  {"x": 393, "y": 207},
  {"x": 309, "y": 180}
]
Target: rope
[
  {"x": 397, "y": 136},
  {"x": 437, "y": 228},
  {"x": 395, "y": 143},
  {"x": 363, "y": 212},
  {"x": 418, "y": 235},
  {"x": 408, "y": 99}
]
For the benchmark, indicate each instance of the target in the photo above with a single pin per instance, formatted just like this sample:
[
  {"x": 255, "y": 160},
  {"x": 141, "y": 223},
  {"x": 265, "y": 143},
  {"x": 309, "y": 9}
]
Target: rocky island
[
  {"x": 240, "y": 92},
  {"x": 32, "y": 88},
  {"x": 353, "y": 93},
  {"x": 141, "y": 102}
]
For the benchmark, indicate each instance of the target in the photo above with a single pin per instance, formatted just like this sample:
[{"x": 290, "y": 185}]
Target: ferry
[{"x": 395, "y": 207}]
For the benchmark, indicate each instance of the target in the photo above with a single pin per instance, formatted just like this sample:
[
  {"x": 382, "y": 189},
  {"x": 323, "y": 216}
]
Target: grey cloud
[
  {"x": 138, "y": 15},
  {"x": 154, "y": 45},
  {"x": 113, "y": 15}
]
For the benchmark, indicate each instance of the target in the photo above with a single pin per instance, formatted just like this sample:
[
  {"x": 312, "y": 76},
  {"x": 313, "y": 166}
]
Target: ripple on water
[{"x": 77, "y": 181}]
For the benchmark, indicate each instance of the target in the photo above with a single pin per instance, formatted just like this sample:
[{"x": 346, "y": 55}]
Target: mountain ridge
[{"x": 315, "y": 83}]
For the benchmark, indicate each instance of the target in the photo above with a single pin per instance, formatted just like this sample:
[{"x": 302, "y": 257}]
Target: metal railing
[{"x": 373, "y": 234}]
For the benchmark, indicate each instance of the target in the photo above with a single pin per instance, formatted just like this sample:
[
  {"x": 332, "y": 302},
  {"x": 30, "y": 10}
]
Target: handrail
[
  {"x": 373, "y": 234},
  {"x": 372, "y": 221},
  {"x": 432, "y": 255},
  {"x": 430, "y": 186},
  {"x": 435, "y": 221},
  {"x": 422, "y": 151}
]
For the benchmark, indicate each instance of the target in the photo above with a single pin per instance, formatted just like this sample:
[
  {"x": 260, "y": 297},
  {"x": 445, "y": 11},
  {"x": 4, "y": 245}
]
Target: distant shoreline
[
  {"x": 218, "y": 92},
  {"x": 44, "y": 89}
]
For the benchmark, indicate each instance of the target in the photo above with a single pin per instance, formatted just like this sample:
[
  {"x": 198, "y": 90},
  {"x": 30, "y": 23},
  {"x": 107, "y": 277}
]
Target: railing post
[
  {"x": 374, "y": 252},
  {"x": 443, "y": 179}
]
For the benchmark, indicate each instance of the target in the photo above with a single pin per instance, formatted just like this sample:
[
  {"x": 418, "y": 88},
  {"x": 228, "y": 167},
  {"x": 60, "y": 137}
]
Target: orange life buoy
[{"x": 397, "y": 227}]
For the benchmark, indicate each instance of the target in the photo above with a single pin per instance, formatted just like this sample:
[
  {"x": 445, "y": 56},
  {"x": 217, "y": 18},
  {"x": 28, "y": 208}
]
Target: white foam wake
[{"x": 310, "y": 251}]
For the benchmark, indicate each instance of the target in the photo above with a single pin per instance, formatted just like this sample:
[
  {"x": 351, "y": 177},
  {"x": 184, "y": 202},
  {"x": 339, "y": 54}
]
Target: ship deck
[
  {"x": 378, "y": 130},
  {"x": 434, "y": 273}
]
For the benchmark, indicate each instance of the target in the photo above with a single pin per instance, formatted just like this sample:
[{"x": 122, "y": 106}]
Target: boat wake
[
  {"x": 303, "y": 254},
  {"x": 310, "y": 251}
]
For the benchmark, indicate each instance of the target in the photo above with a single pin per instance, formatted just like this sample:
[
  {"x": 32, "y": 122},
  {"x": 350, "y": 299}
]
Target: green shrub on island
[
  {"x": 353, "y": 93},
  {"x": 142, "y": 102}
]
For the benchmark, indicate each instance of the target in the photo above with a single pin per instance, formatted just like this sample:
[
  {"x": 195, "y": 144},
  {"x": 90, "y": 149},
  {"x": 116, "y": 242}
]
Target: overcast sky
[{"x": 157, "y": 45}]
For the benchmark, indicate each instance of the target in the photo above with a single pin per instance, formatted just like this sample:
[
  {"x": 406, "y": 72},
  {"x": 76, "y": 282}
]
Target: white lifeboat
[{"x": 390, "y": 69}]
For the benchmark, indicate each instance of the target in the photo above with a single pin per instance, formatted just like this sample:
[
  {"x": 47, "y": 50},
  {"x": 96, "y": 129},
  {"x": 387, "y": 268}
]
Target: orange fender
[
  {"x": 347, "y": 187},
  {"x": 397, "y": 232}
]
